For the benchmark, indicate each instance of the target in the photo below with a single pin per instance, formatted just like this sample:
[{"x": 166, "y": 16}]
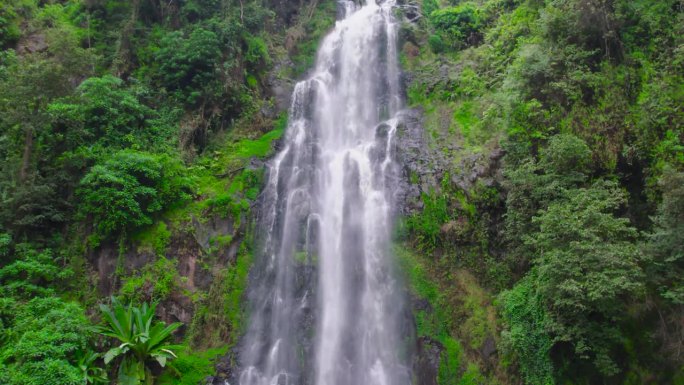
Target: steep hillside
[
  {"x": 133, "y": 136},
  {"x": 544, "y": 150}
]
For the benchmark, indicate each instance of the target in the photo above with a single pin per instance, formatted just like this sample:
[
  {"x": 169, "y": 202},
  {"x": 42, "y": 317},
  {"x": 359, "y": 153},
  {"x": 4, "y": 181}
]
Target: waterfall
[{"x": 325, "y": 308}]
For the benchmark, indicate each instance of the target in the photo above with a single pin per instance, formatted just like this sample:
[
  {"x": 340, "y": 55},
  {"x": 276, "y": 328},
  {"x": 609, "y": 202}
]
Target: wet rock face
[
  {"x": 177, "y": 308},
  {"x": 426, "y": 361},
  {"x": 104, "y": 262},
  {"x": 189, "y": 246},
  {"x": 280, "y": 88},
  {"x": 106, "y": 259},
  {"x": 421, "y": 169},
  {"x": 225, "y": 372}
]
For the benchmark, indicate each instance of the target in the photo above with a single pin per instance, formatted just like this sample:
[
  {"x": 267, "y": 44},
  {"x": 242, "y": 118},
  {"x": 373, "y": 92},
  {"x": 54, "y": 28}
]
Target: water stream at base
[{"x": 325, "y": 308}]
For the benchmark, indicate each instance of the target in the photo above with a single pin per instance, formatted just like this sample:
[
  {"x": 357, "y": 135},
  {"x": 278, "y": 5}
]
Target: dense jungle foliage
[
  {"x": 576, "y": 233},
  {"x": 127, "y": 128},
  {"x": 121, "y": 123}
]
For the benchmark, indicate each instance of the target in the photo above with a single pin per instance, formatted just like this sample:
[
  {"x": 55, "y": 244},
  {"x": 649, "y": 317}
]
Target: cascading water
[{"x": 325, "y": 308}]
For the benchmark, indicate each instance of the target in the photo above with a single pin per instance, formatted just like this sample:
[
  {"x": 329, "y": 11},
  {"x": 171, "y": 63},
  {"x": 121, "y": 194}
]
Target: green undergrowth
[
  {"x": 459, "y": 317},
  {"x": 226, "y": 188},
  {"x": 434, "y": 322},
  {"x": 191, "y": 367},
  {"x": 570, "y": 94},
  {"x": 154, "y": 281},
  {"x": 453, "y": 225},
  {"x": 461, "y": 115},
  {"x": 154, "y": 238},
  {"x": 237, "y": 278},
  {"x": 226, "y": 182},
  {"x": 220, "y": 317}
]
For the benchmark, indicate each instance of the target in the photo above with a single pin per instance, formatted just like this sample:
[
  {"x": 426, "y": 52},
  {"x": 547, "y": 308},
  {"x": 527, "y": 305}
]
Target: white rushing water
[{"x": 325, "y": 308}]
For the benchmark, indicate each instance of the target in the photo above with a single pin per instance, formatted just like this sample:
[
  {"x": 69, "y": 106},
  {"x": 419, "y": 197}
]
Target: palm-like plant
[
  {"x": 91, "y": 373},
  {"x": 142, "y": 340}
]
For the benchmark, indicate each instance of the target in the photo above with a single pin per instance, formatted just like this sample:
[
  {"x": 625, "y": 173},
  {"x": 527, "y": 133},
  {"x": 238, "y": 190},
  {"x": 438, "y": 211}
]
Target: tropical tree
[
  {"x": 142, "y": 341},
  {"x": 665, "y": 243}
]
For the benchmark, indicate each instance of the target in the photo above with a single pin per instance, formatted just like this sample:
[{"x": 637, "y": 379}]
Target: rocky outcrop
[
  {"x": 32, "y": 44},
  {"x": 281, "y": 88},
  {"x": 426, "y": 360},
  {"x": 423, "y": 166},
  {"x": 196, "y": 258},
  {"x": 420, "y": 168}
]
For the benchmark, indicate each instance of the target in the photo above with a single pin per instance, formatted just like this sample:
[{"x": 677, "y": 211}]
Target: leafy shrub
[
  {"x": 554, "y": 75},
  {"x": 5, "y": 244},
  {"x": 567, "y": 157},
  {"x": 459, "y": 26},
  {"x": 526, "y": 331},
  {"x": 190, "y": 62},
  {"x": 191, "y": 367},
  {"x": 660, "y": 123},
  {"x": 46, "y": 336},
  {"x": 257, "y": 51},
  {"x": 255, "y": 16},
  {"x": 125, "y": 191},
  {"x": 534, "y": 185},
  {"x": 436, "y": 44},
  {"x": 9, "y": 30},
  {"x": 586, "y": 264},
  {"x": 104, "y": 112},
  {"x": 194, "y": 10},
  {"x": 469, "y": 83},
  {"x": 91, "y": 373},
  {"x": 35, "y": 206},
  {"x": 31, "y": 273},
  {"x": 429, "y": 6}
]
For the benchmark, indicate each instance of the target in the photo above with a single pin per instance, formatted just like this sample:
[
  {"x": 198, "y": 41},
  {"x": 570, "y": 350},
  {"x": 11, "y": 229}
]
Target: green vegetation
[
  {"x": 459, "y": 26},
  {"x": 128, "y": 138},
  {"x": 457, "y": 317},
  {"x": 191, "y": 367},
  {"x": 47, "y": 339},
  {"x": 128, "y": 188},
  {"x": 42, "y": 338},
  {"x": 221, "y": 316},
  {"x": 303, "y": 36},
  {"x": 140, "y": 340},
  {"x": 587, "y": 264},
  {"x": 132, "y": 140},
  {"x": 156, "y": 281},
  {"x": 578, "y": 237},
  {"x": 41, "y": 335},
  {"x": 665, "y": 243}
]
